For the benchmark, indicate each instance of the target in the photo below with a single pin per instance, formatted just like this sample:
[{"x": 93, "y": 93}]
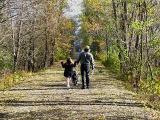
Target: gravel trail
[{"x": 44, "y": 96}]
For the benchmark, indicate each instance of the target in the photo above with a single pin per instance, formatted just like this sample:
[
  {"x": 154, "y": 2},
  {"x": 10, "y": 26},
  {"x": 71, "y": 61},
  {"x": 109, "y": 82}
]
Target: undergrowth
[
  {"x": 148, "y": 91},
  {"x": 11, "y": 80}
]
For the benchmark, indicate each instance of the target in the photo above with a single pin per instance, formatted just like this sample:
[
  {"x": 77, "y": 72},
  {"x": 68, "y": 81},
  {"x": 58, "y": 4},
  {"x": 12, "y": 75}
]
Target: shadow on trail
[
  {"x": 43, "y": 87},
  {"x": 32, "y": 115},
  {"x": 53, "y": 85},
  {"x": 3, "y": 115},
  {"x": 58, "y": 113},
  {"x": 68, "y": 102},
  {"x": 25, "y": 89},
  {"x": 123, "y": 118},
  {"x": 52, "y": 74},
  {"x": 46, "y": 87}
]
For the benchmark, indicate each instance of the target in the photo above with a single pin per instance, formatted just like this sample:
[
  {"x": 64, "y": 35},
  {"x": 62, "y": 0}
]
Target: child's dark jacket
[{"x": 68, "y": 72}]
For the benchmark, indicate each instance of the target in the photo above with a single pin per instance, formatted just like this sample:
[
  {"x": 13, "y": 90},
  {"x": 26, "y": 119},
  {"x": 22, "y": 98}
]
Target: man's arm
[{"x": 92, "y": 62}]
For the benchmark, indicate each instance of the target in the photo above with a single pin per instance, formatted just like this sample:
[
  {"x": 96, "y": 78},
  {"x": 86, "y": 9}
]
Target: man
[{"x": 87, "y": 61}]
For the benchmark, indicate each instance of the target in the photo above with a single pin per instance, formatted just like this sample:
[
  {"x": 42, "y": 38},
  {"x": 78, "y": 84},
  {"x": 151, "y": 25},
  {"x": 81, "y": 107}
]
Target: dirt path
[{"x": 44, "y": 97}]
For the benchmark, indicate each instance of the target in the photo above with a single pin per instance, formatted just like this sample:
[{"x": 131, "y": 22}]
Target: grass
[
  {"x": 13, "y": 79},
  {"x": 148, "y": 91},
  {"x": 146, "y": 94}
]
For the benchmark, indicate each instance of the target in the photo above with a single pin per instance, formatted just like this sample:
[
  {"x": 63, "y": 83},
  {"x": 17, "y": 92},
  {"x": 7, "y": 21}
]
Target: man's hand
[
  {"x": 76, "y": 62},
  {"x": 92, "y": 71},
  {"x": 92, "y": 67}
]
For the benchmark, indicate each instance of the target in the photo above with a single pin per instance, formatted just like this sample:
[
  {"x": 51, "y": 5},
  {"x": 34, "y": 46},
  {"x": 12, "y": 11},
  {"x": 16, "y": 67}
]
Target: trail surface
[{"x": 44, "y": 96}]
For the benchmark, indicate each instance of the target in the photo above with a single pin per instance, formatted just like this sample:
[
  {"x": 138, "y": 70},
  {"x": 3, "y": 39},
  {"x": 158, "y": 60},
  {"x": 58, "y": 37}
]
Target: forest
[
  {"x": 33, "y": 34},
  {"x": 123, "y": 34}
]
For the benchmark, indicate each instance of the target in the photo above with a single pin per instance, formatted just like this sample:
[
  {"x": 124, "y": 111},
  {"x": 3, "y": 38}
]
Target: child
[{"x": 68, "y": 72}]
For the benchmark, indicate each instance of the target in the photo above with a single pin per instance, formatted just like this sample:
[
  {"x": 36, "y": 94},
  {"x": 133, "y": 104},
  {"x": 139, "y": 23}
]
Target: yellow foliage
[
  {"x": 97, "y": 5},
  {"x": 13, "y": 79}
]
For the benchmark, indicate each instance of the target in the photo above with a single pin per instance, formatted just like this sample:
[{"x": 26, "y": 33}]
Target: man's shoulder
[
  {"x": 86, "y": 53},
  {"x": 81, "y": 53},
  {"x": 90, "y": 54}
]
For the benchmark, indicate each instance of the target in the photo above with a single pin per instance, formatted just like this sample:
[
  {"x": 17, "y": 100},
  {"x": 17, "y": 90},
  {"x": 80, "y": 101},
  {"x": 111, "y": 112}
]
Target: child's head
[{"x": 69, "y": 60}]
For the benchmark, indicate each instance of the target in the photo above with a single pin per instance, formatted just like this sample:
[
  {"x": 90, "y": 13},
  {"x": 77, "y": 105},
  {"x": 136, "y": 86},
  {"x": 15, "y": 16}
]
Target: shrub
[
  {"x": 112, "y": 62},
  {"x": 61, "y": 54},
  {"x": 12, "y": 79},
  {"x": 5, "y": 60}
]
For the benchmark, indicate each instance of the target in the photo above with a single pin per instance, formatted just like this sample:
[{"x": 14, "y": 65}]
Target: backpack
[{"x": 85, "y": 58}]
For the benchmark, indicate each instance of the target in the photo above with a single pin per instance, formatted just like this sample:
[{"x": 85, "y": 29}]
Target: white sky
[{"x": 74, "y": 9}]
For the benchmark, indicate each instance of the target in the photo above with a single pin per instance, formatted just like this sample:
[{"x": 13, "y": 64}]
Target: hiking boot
[
  {"x": 82, "y": 87},
  {"x": 87, "y": 87}
]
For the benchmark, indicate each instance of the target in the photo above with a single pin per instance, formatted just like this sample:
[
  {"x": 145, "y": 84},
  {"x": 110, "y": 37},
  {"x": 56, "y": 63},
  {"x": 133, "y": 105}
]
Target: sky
[{"x": 74, "y": 9}]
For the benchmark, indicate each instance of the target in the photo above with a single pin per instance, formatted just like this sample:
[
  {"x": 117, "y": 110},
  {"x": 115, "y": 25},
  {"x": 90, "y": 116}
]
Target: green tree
[{"x": 129, "y": 30}]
